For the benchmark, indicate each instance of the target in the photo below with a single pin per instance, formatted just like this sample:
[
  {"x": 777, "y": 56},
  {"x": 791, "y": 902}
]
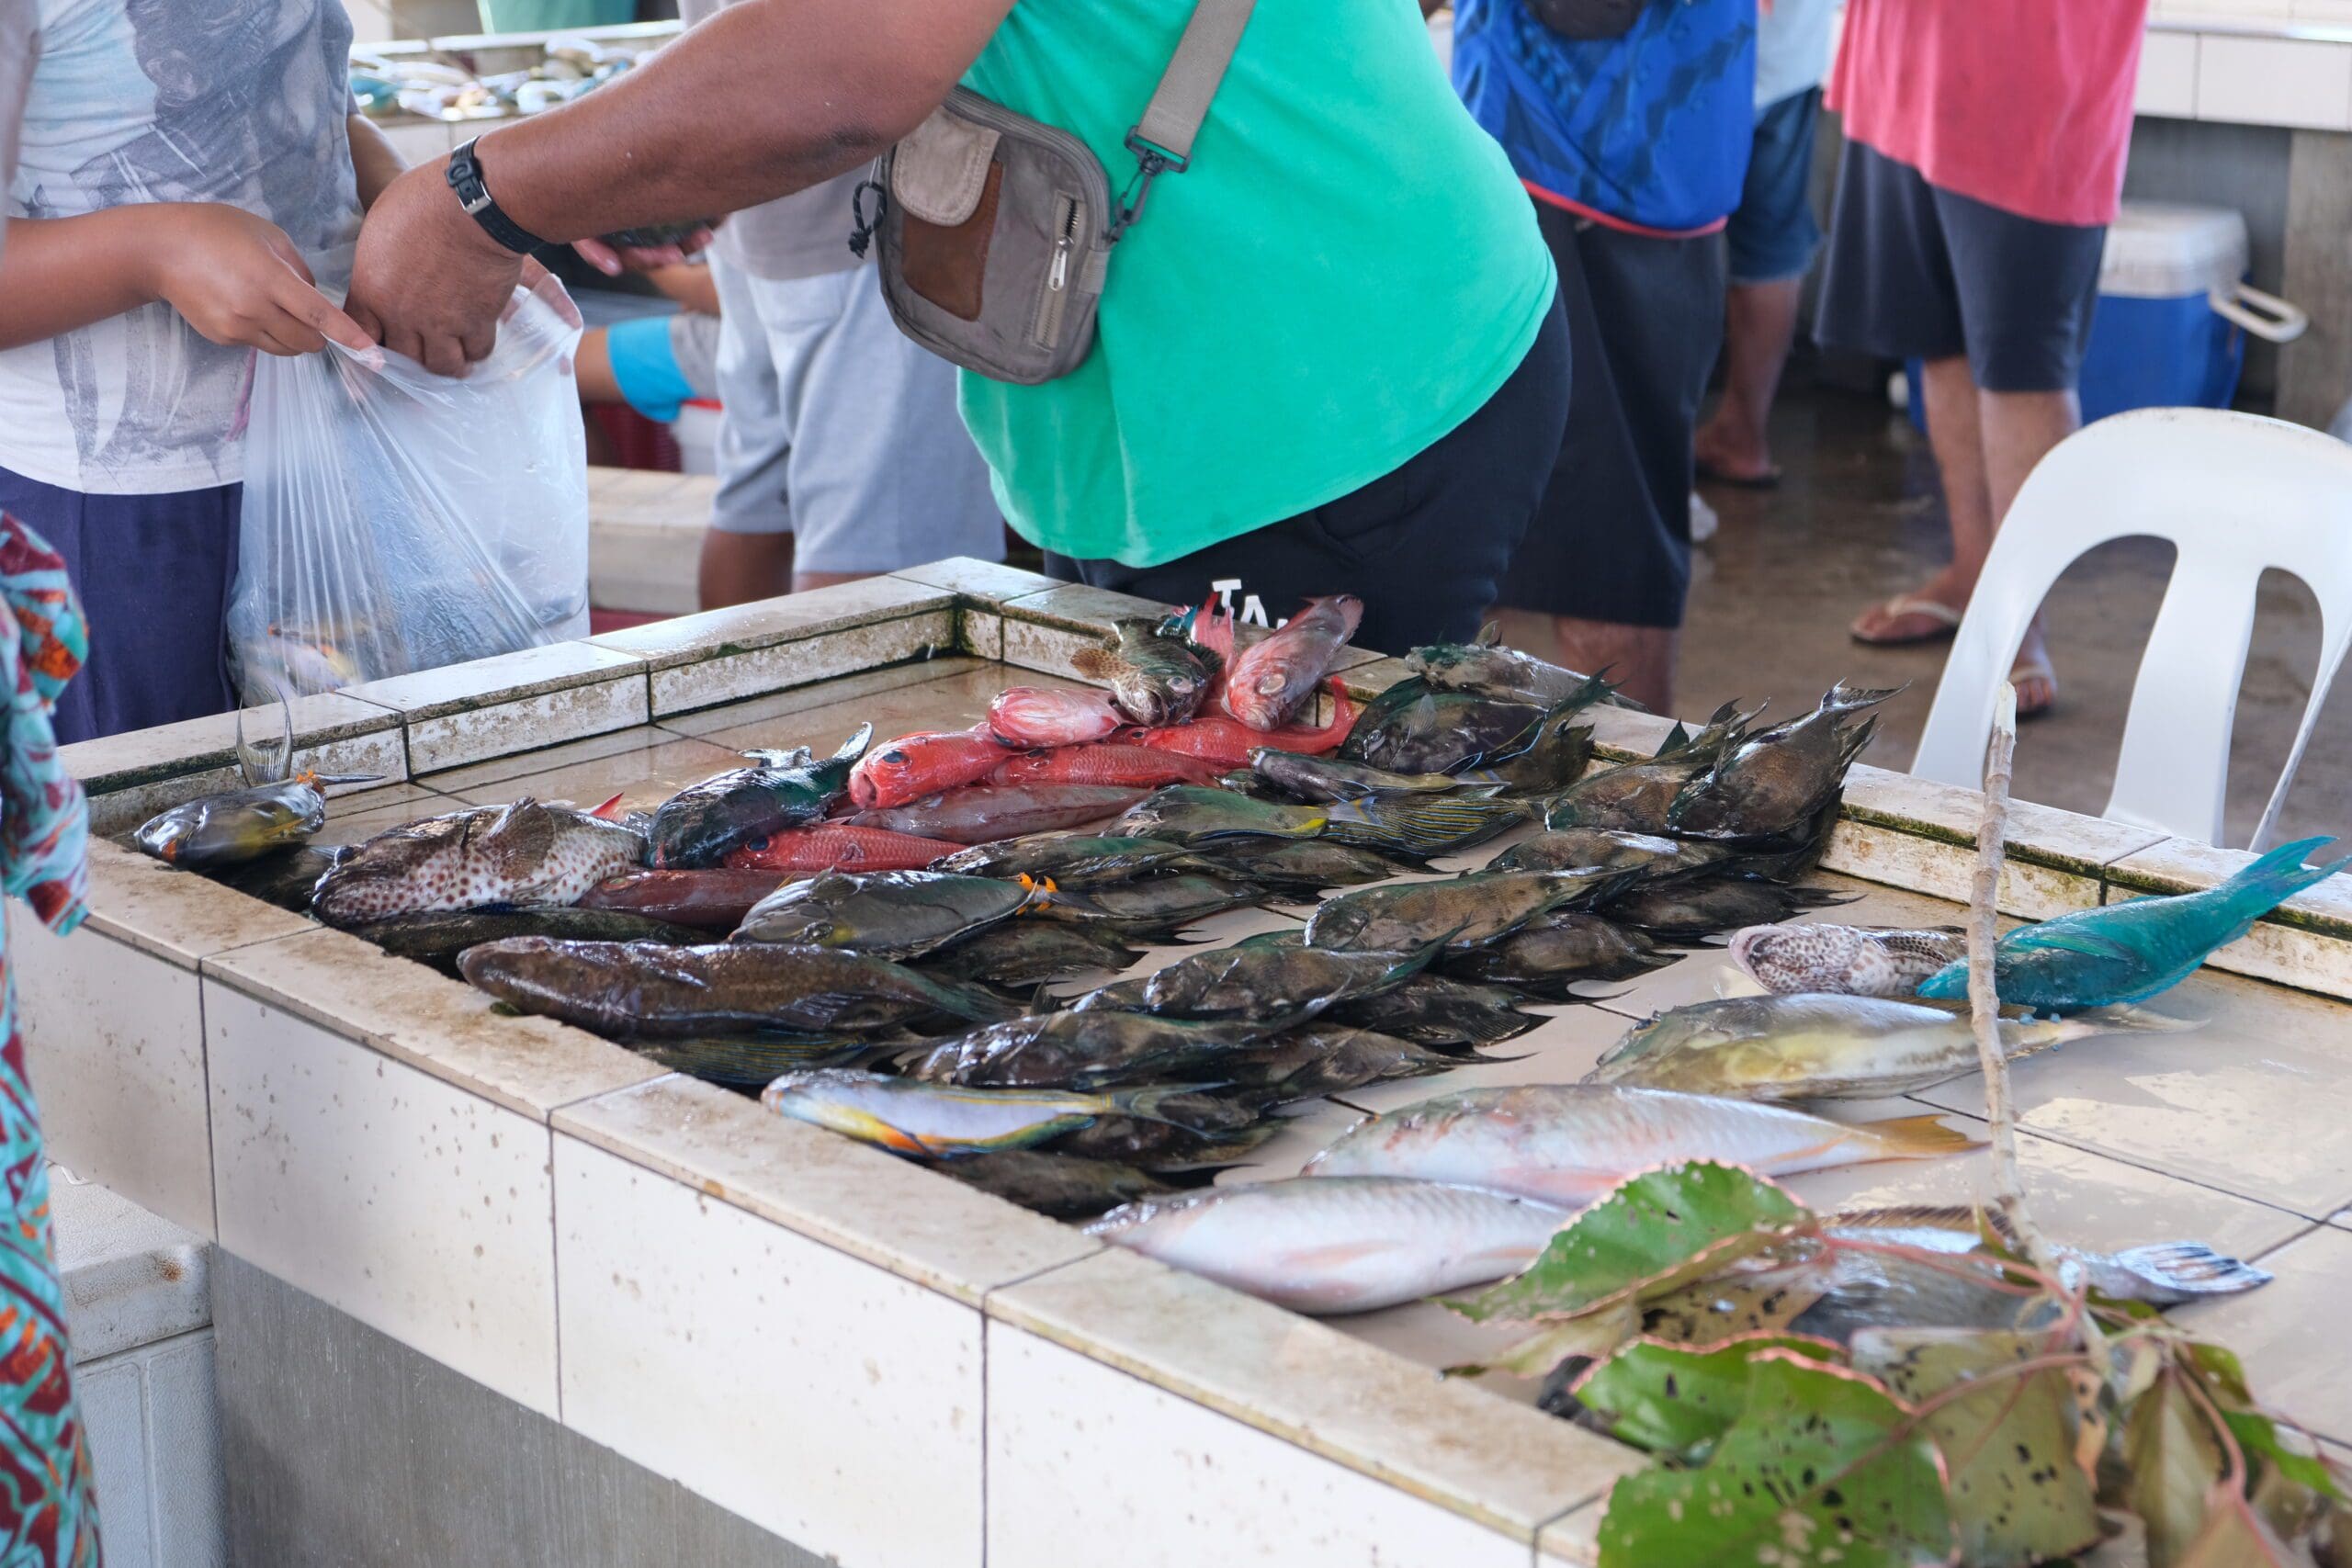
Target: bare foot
[
  {"x": 1889, "y": 623},
  {"x": 2037, "y": 685},
  {"x": 1732, "y": 455}
]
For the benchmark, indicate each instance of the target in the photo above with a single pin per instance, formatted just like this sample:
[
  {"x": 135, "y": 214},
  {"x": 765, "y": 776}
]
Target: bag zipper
[{"x": 1055, "y": 303}]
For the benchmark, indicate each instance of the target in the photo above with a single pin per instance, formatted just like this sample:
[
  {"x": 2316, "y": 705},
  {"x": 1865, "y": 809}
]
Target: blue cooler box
[{"x": 2173, "y": 312}]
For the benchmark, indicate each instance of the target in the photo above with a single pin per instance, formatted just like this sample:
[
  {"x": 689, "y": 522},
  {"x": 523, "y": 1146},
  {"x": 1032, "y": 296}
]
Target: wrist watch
[{"x": 465, "y": 178}]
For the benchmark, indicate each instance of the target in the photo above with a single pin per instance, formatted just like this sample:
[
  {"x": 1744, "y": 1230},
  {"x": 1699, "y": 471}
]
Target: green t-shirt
[{"x": 1347, "y": 272}]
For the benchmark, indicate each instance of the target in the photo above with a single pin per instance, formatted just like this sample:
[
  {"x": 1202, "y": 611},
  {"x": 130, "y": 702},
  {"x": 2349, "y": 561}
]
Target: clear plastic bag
[{"x": 396, "y": 520}]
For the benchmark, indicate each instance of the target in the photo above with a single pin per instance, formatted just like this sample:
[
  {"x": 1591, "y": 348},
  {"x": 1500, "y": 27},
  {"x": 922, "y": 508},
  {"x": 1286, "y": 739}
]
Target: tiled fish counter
[{"x": 889, "y": 1367}]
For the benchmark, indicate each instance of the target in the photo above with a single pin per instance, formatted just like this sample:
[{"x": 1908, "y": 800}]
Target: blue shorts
[
  {"x": 1774, "y": 232},
  {"x": 154, "y": 573},
  {"x": 1918, "y": 272},
  {"x": 661, "y": 361}
]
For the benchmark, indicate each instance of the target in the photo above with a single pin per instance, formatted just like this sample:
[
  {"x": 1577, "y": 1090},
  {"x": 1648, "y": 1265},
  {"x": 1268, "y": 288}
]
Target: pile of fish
[{"x": 870, "y": 939}]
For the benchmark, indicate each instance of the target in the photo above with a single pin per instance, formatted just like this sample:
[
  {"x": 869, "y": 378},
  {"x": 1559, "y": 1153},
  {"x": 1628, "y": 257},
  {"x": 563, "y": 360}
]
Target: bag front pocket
[
  {"x": 947, "y": 264},
  {"x": 1061, "y": 272}
]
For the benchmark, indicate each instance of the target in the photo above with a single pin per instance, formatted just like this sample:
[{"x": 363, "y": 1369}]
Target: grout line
[
  {"x": 989, "y": 1295},
  {"x": 204, "y": 1058},
  {"x": 555, "y": 1275},
  {"x": 984, "y": 1439}
]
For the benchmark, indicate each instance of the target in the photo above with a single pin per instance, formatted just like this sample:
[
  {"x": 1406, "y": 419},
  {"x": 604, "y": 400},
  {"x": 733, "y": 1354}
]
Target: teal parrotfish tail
[{"x": 2130, "y": 952}]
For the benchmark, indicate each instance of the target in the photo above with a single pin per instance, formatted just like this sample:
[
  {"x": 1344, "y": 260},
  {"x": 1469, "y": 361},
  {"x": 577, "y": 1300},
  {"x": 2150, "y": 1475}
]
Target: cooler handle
[{"x": 2265, "y": 315}]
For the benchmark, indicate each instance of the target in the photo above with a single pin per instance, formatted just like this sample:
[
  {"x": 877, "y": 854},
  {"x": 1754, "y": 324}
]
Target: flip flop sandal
[
  {"x": 2035, "y": 669},
  {"x": 1904, "y": 605},
  {"x": 1710, "y": 474}
]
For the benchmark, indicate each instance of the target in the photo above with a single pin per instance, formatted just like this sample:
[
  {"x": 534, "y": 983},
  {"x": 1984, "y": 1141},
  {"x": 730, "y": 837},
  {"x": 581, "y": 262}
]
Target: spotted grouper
[{"x": 523, "y": 855}]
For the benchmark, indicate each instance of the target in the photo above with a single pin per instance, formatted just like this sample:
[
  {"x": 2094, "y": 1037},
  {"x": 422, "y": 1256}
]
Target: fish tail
[
  {"x": 2118, "y": 1020},
  {"x": 1423, "y": 824},
  {"x": 256, "y": 766},
  {"x": 2275, "y": 878},
  {"x": 1916, "y": 1137},
  {"x": 1163, "y": 1103},
  {"x": 1843, "y": 698},
  {"x": 965, "y": 999}
]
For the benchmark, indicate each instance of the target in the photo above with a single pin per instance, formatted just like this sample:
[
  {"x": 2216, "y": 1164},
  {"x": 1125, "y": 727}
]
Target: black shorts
[
  {"x": 1915, "y": 272},
  {"x": 1424, "y": 546},
  {"x": 1611, "y": 541}
]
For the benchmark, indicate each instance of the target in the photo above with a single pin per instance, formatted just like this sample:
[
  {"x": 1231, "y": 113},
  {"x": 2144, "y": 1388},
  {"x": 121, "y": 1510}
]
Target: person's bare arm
[
  {"x": 768, "y": 97},
  {"x": 373, "y": 160},
  {"x": 236, "y": 277}
]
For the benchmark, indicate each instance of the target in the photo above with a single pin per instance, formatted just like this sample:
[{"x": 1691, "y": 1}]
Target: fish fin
[
  {"x": 1845, "y": 698},
  {"x": 769, "y": 757},
  {"x": 256, "y": 765},
  {"x": 2179, "y": 1271},
  {"x": 1044, "y": 895},
  {"x": 1425, "y": 824},
  {"x": 1677, "y": 740},
  {"x": 2056, "y": 938},
  {"x": 966, "y": 1000},
  {"x": 1491, "y": 635},
  {"x": 854, "y": 748},
  {"x": 610, "y": 811},
  {"x": 1917, "y": 1137}
]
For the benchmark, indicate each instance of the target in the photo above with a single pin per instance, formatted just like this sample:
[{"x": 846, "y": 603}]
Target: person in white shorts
[{"x": 841, "y": 453}]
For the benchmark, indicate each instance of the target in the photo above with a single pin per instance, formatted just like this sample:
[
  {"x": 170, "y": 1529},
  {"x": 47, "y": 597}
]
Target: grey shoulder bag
[{"x": 994, "y": 232}]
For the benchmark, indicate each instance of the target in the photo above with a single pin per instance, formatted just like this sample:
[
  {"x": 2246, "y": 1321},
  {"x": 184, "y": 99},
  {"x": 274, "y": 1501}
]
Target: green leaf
[
  {"x": 1595, "y": 1335},
  {"x": 2017, "y": 1491},
  {"x": 2258, "y": 1435},
  {"x": 2175, "y": 1461},
  {"x": 1824, "y": 1467},
  {"x": 1655, "y": 1231},
  {"x": 1742, "y": 1300},
  {"x": 1677, "y": 1401}
]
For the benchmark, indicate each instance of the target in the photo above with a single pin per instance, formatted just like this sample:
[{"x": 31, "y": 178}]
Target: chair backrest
[{"x": 2236, "y": 494}]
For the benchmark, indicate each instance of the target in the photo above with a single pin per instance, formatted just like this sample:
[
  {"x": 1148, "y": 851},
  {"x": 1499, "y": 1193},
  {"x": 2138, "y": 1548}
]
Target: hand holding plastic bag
[{"x": 396, "y": 520}]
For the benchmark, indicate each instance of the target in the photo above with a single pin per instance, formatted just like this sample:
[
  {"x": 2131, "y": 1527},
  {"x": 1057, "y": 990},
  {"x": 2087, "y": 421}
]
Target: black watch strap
[{"x": 465, "y": 178}]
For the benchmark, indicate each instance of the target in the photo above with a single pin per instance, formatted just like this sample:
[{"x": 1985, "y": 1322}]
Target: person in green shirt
[{"x": 1330, "y": 355}]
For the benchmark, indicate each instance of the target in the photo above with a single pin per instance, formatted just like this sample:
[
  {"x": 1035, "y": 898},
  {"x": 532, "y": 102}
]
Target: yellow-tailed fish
[{"x": 941, "y": 1121}]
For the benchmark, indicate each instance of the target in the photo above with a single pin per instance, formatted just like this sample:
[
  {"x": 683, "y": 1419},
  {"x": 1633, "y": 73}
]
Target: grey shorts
[
  {"x": 840, "y": 431},
  {"x": 1917, "y": 272}
]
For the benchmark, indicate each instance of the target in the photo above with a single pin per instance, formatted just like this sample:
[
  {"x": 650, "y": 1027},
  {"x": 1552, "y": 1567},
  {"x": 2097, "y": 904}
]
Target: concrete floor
[{"x": 1859, "y": 516}]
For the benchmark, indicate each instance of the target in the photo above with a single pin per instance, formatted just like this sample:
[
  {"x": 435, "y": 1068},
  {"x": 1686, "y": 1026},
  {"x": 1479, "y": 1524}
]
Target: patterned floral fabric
[{"x": 48, "y": 1510}]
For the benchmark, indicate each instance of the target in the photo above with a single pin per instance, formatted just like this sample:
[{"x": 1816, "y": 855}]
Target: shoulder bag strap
[{"x": 1162, "y": 139}]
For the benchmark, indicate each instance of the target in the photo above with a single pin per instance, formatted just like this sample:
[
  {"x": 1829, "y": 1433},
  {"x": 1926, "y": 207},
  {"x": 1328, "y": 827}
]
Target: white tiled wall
[
  {"x": 815, "y": 1394},
  {"x": 2259, "y": 81},
  {"x": 115, "y": 1042},
  {"x": 1082, "y": 1456},
  {"x": 419, "y": 1209}
]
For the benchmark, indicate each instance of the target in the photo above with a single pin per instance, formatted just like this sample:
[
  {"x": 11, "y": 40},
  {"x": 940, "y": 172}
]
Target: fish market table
[{"x": 885, "y": 1366}]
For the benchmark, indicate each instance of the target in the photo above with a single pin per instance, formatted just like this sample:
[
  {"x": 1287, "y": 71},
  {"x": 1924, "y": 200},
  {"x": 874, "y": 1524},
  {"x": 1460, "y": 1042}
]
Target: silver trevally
[
  {"x": 1339, "y": 1245},
  {"x": 1571, "y": 1143}
]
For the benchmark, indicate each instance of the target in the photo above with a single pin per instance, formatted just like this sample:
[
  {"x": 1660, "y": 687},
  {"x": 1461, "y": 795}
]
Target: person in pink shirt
[{"x": 1985, "y": 141}]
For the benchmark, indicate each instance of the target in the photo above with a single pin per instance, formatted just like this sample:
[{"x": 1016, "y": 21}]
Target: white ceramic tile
[
  {"x": 2257, "y": 80},
  {"x": 730, "y": 724},
  {"x": 2247, "y": 1100},
  {"x": 114, "y": 1039},
  {"x": 817, "y": 1396},
  {"x": 1573, "y": 1541},
  {"x": 730, "y": 677},
  {"x": 1917, "y": 863},
  {"x": 648, "y": 767},
  {"x": 1560, "y": 1050},
  {"x": 769, "y": 622},
  {"x": 979, "y": 580},
  {"x": 1045, "y": 648},
  {"x": 2167, "y": 84},
  {"x": 980, "y": 632},
  {"x": 1082, "y": 1456},
  {"x": 498, "y": 729},
  {"x": 2291, "y": 1332},
  {"x": 178, "y": 916},
  {"x": 421, "y": 1210}
]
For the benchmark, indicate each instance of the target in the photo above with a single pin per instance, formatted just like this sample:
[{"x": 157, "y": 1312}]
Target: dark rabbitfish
[
  {"x": 1775, "y": 781},
  {"x": 1419, "y": 825},
  {"x": 1091, "y": 1050},
  {"x": 1157, "y": 674},
  {"x": 1548, "y": 958},
  {"x": 1431, "y": 1010},
  {"x": 1156, "y": 906},
  {"x": 1636, "y": 796},
  {"x": 523, "y": 855},
  {"x": 1065, "y": 1187},
  {"x": 1703, "y": 908},
  {"x": 638, "y": 989},
  {"x": 694, "y": 829},
  {"x": 438, "y": 938},
  {"x": 751, "y": 1062},
  {"x": 1074, "y": 859},
  {"x": 1412, "y": 728},
  {"x": 1161, "y": 1146},
  {"x": 1306, "y": 1064},
  {"x": 890, "y": 914},
  {"x": 1487, "y": 668},
  {"x": 1302, "y": 865},
  {"x": 1029, "y": 953},
  {"x": 1459, "y": 915},
  {"x": 1550, "y": 756},
  {"x": 1256, "y": 981}
]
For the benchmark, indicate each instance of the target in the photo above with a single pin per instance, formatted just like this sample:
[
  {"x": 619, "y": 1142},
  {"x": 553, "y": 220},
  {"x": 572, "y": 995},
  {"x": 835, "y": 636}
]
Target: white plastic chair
[{"x": 2235, "y": 494}]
